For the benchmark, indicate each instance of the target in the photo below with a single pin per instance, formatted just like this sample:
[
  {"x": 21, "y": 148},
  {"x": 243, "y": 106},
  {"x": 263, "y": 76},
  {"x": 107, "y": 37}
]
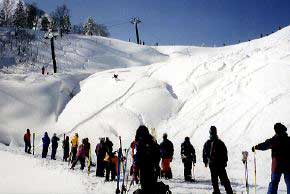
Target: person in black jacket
[
  {"x": 100, "y": 153},
  {"x": 110, "y": 166},
  {"x": 188, "y": 158},
  {"x": 166, "y": 151},
  {"x": 65, "y": 146},
  {"x": 279, "y": 144},
  {"x": 54, "y": 145},
  {"x": 147, "y": 160},
  {"x": 215, "y": 155}
]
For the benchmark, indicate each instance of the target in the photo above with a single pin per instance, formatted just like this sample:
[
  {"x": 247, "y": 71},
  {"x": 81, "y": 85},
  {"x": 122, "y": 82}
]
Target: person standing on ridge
[
  {"x": 188, "y": 158},
  {"x": 74, "y": 146},
  {"x": 65, "y": 146},
  {"x": 279, "y": 144},
  {"x": 147, "y": 159},
  {"x": 215, "y": 155},
  {"x": 54, "y": 145},
  {"x": 166, "y": 152},
  {"x": 27, "y": 141},
  {"x": 46, "y": 142}
]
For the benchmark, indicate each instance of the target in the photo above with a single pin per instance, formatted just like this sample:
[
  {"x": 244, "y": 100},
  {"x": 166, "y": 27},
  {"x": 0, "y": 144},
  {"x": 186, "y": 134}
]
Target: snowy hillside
[{"x": 242, "y": 89}]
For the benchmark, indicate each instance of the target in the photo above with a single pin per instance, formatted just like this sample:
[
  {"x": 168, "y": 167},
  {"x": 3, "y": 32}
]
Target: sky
[{"x": 181, "y": 22}]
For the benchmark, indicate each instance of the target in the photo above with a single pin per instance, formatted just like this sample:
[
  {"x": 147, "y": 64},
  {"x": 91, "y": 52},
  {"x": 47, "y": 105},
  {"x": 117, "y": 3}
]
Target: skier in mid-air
[
  {"x": 27, "y": 141},
  {"x": 188, "y": 158},
  {"x": 167, "y": 152},
  {"x": 279, "y": 144},
  {"x": 215, "y": 155}
]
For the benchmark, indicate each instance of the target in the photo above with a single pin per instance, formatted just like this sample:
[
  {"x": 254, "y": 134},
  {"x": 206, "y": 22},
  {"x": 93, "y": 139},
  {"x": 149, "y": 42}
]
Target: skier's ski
[
  {"x": 33, "y": 145},
  {"x": 124, "y": 172},
  {"x": 245, "y": 161},
  {"x": 119, "y": 166},
  {"x": 89, "y": 162}
]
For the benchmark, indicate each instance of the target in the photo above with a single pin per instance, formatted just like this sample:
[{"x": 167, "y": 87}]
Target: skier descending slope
[
  {"x": 27, "y": 141},
  {"x": 147, "y": 160},
  {"x": 166, "y": 151},
  {"x": 215, "y": 156},
  {"x": 45, "y": 143},
  {"x": 54, "y": 145},
  {"x": 188, "y": 158},
  {"x": 279, "y": 144},
  {"x": 65, "y": 146}
]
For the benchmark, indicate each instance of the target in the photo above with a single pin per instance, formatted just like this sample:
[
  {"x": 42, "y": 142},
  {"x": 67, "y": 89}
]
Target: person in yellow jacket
[{"x": 74, "y": 146}]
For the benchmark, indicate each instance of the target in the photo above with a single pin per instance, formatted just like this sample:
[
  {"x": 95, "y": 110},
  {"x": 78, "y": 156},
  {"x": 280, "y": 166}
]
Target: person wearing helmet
[
  {"x": 279, "y": 144},
  {"x": 215, "y": 155}
]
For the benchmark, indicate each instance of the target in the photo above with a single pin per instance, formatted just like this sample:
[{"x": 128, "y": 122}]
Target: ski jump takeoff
[{"x": 147, "y": 154}]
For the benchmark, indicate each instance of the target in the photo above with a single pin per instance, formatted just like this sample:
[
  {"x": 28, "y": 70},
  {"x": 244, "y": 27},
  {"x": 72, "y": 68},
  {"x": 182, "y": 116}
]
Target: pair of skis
[
  {"x": 245, "y": 161},
  {"x": 125, "y": 162}
]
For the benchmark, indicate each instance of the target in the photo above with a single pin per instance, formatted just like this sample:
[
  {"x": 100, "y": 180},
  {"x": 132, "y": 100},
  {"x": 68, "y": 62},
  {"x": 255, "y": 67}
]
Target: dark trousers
[
  {"x": 187, "y": 169},
  {"x": 110, "y": 169},
  {"x": 82, "y": 161},
  {"x": 148, "y": 179},
  {"x": 27, "y": 147},
  {"x": 53, "y": 152},
  {"x": 100, "y": 167},
  {"x": 74, "y": 153},
  {"x": 220, "y": 173},
  {"x": 44, "y": 151},
  {"x": 275, "y": 179},
  {"x": 65, "y": 154}
]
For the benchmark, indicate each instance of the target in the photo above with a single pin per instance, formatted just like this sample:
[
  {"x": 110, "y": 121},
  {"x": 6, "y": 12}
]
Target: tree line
[{"x": 29, "y": 16}]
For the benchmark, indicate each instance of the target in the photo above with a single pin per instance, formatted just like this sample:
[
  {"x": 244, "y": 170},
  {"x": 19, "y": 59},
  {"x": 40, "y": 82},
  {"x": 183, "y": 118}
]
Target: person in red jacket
[
  {"x": 27, "y": 141},
  {"x": 279, "y": 144}
]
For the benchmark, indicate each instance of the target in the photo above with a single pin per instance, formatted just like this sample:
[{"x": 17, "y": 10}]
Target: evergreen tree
[
  {"x": 90, "y": 27},
  {"x": 61, "y": 19},
  {"x": 19, "y": 17},
  {"x": 31, "y": 12},
  {"x": 2, "y": 18},
  {"x": 6, "y": 12},
  {"x": 44, "y": 23}
]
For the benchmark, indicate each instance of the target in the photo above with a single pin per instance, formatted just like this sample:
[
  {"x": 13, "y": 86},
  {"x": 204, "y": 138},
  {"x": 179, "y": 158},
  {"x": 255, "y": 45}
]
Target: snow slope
[{"x": 243, "y": 89}]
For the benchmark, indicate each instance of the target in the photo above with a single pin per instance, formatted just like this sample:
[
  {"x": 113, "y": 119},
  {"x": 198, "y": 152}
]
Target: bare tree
[{"x": 7, "y": 11}]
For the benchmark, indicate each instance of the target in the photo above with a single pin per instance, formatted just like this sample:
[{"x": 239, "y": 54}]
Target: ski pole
[
  {"x": 119, "y": 166},
  {"x": 33, "y": 139},
  {"x": 245, "y": 161},
  {"x": 255, "y": 171}
]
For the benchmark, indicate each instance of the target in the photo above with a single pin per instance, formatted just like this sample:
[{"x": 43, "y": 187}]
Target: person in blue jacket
[{"x": 46, "y": 142}]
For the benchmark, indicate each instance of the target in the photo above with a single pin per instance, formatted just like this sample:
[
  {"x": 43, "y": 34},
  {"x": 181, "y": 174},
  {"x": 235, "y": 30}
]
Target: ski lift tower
[
  {"x": 50, "y": 35},
  {"x": 136, "y": 21}
]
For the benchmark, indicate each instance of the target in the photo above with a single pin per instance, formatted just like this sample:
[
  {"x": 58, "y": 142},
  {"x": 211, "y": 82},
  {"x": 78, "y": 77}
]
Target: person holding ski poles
[
  {"x": 147, "y": 159},
  {"x": 74, "y": 146},
  {"x": 167, "y": 152},
  {"x": 27, "y": 141},
  {"x": 279, "y": 144},
  {"x": 188, "y": 158},
  {"x": 215, "y": 155}
]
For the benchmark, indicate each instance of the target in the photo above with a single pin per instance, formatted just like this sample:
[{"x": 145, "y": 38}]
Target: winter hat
[
  {"x": 213, "y": 131},
  {"x": 186, "y": 139},
  {"x": 142, "y": 132},
  {"x": 279, "y": 128},
  {"x": 165, "y": 136}
]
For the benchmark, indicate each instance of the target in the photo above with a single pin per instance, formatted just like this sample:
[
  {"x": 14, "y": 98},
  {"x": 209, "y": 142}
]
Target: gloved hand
[{"x": 253, "y": 148}]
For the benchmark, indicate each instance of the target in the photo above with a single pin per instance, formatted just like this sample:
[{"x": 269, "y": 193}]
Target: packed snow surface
[{"x": 242, "y": 89}]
